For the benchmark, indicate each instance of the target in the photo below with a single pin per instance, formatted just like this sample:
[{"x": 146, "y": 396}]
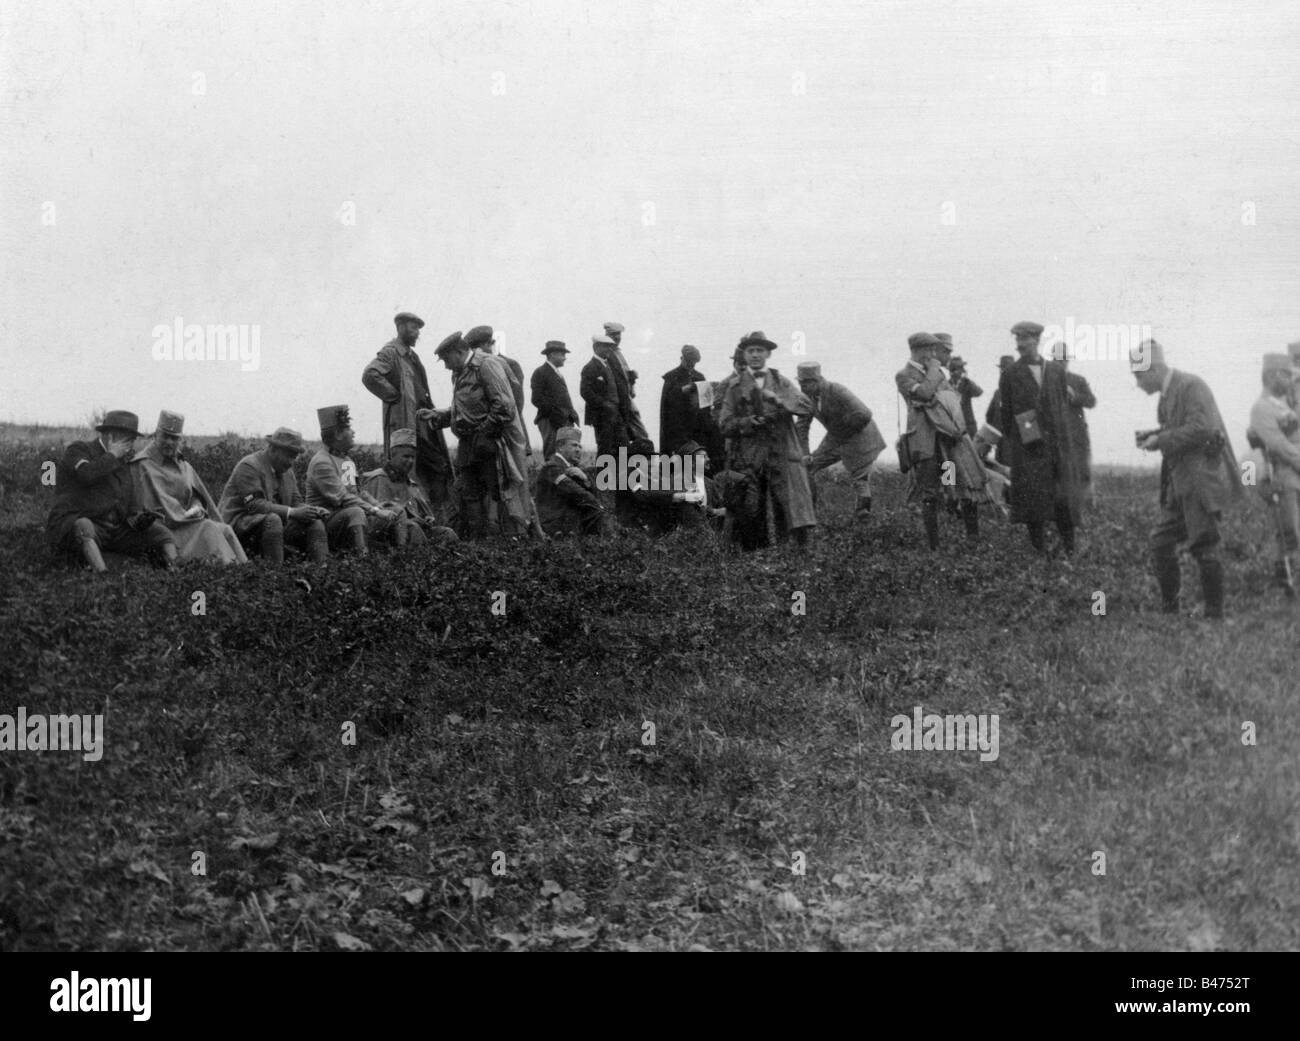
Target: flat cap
[
  {"x": 403, "y": 438},
  {"x": 808, "y": 370},
  {"x": 945, "y": 337},
  {"x": 449, "y": 343},
  {"x": 917, "y": 341},
  {"x": 479, "y": 334},
  {"x": 555, "y": 345},
  {"x": 120, "y": 420},
  {"x": 170, "y": 422},
  {"x": 1276, "y": 362},
  {"x": 286, "y": 438},
  {"x": 406, "y": 316},
  {"x": 1027, "y": 329},
  {"x": 601, "y": 338},
  {"x": 613, "y": 327},
  {"x": 333, "y": 416}
]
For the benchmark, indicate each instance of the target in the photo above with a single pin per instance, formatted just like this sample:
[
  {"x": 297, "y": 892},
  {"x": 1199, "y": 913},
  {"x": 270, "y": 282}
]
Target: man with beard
[
  {"x": 1046, "y": 478},
  {"x": 397, "y": 377}
]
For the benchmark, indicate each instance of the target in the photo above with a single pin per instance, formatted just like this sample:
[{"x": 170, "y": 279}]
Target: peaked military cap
[
  {"x": 449, "y": 343},
  {"x": 1027, "y": 328}
]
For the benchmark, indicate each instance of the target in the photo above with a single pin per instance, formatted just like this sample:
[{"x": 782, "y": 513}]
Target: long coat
[
  {"x": 551, "y": 397},
  {"x": 175, "y": 490},
  {"x": 1083, "y": 398},
  {"x": 1278, "y": 426},
  {"x": 397, "y": 377},
  {"x": 601, "y": 394},
  {"x": 681, "y": 418},
  {"x": 1047, "y": 471},
  {"x": 1197, "y": 458},
  {"x": 774, "y": 447}
]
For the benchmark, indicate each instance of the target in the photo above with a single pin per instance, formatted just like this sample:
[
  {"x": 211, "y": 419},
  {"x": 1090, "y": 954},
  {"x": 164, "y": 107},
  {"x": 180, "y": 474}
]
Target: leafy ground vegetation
[{"x": 519, "y": 742}]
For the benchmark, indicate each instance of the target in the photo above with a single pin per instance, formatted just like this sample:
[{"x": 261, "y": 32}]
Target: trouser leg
[
  {"x": 87, "y": 540},
  {"x": 1036, "y": 538},
  {"x": 970, "y": 515},
  {"x": 1065, "y": 525},
  {"x": 1168, "y": 533},
  {"x": 272, "y": 539}
]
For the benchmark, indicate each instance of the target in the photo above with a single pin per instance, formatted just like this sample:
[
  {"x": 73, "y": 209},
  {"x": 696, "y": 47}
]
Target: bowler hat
[
  {"x": 479, "y": 334},
  {"x": 453, "y": 342},
  {"x": 406, "y": 316},
  {"x": 120, "y": 420},
  {"x": 286, "y": 438}
]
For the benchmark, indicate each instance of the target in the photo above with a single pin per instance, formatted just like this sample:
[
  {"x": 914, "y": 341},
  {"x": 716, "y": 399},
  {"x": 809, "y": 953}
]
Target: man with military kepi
[
  {"x": 686, "y": 408},
  {"x": 604, "y": 394},
  {"x": 1198, "y": 474},
  {"x": 1275, "y": 431},
  {"x": 93, "y": 507},
  {"x": 550, "y": 395},
  {"x": 936, "y": 449},
  {"x": 758, "y": 413},
  {"x": 967, "y": 389},
  {"x": 852, "y": 437},
  {"x": 490, "y": 463},
  {"x": 263, "y": 505},
  {"x": 391, "y": 486},
  {"x": 566, "y": 496},
  {"x": 166, "y": 484},
  {"x": 1045, "y": 456},
  {"x": 332, "y": 485},
  {"x": 398, "y": 378}
]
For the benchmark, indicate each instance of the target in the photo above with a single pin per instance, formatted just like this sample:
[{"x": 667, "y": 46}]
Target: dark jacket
[
  {"x": 600, "y": 393},
  {"x": 551, "y": 397},
  {"x": 90, "y": 483},
  {"x": 254, "y": 488},
  {"x": 681, "y": 419},
  {"x": 1197, "y": 459},
  {"x": 1046, "y": 472}
]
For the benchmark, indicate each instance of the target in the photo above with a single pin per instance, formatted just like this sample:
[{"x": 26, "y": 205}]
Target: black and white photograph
[{"x": 650, "y": 476}]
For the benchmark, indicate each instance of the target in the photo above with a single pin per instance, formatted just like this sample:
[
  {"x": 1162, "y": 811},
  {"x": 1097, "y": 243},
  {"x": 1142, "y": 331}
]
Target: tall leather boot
[
  {"x": 930, "y": 513},
  {"x": 1036, "y": 539},
  {"x": 1169, "y": 576},
  {"x": 1283, "y": 579},
  {"x": 1212, "y": 587},
  {"x": 862, "y": 511},
  {"x": 357, "y": 536},
  {"x": 318, "y": 543},
  {"x": 970, "y": 514}
]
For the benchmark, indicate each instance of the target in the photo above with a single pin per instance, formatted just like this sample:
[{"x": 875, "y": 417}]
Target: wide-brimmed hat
[
  {"x": 756, "y": 339},
  {"x": 120, "y": 420},
  {"x": 286, "y": 438}
]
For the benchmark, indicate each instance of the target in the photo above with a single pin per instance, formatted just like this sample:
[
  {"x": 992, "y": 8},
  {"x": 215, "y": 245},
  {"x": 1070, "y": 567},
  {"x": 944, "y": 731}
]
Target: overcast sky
[{"x": 836, "y": 174}]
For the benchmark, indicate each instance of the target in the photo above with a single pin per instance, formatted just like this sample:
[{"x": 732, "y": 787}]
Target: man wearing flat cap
[
  {"x": 391, "y": 486},
  {"x": 397, "y": 377},
  {"x": 1198, "y": 475},
  {"x": 852, "y": 437},
  {"x": 550, "y": 394},
  {"x": 482, "y": 338},
  {"x": 759, "y": 412},
  {"x": 1047, "y": 478},
  {"x": 490, "y": 459},
  {"x": 263, "y": 505},
  {"x": 628, "y": 377},
  {"x": 1275, "y": 429},
  {"x": 93, "y": 509},
  {"x": 165, "y": 484},
  {"x": 332, "y": 485},
  {"x": 936, "y": 449},
  {"x": 604, "y": 395},
  {"x": 967, "y": 389},
  {"x": 686, "y": 408},
  {"x": 566, "y": 495}
]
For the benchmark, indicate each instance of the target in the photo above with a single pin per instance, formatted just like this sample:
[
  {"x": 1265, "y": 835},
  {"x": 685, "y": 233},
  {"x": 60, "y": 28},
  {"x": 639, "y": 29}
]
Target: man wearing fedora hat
[
  {"x": 391, "y": 486},
  {"x": 263, "y": 505},
  {"x": 1275, "y": 427},
  {"x": 550, "y": 396},
  {"x": 1198, "y": 474},
  {"x": 397, "y": 377},
  {"x": 168, "y": 485},
  {"x": 758, "y": 413},
  {"x": 93, "y": 508},
  {"x": 332, "y": 485}
]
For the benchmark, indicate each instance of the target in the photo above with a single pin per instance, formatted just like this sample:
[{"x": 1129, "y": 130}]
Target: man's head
[
  {"x": 690, "y": 357},
  {"x": 167, "y": 436},
  {"x": 1278, "y": 374},
  {"x": 1027, "y": 335},
  {"x": 336, "y": 428},
  {"x": 481, "y": 338},
  {"x": 556, "y": 353},
  {"x": 738, "y": 359},
  {"x": 568, "y": 442},
  {"x": 1147, "y": 360},
  {"x": 615, "y": 332},
  {"x": 757, "y": 348},
  {"x": 922, "y": 346},
  {"x": 282, "y": 448},
  {"x": 401, "y": 450},
  {"x": 452, "y": 352},
  {"x": 809, "y": 375},
  {"x": 943, "y": 348},
  {"x": 119, "y": 427},
  {"x": 602, "y": 344},
  {"x": 408, "y": 327},
  {"x": 1005, "y": 362}
]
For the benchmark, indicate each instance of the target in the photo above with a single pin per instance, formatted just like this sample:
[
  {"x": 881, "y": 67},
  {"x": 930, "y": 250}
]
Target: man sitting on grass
[{"x": 93, "y": 509}]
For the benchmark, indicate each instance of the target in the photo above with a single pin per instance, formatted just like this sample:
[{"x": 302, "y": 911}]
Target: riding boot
[
  {"x": 1169, "y": 576},
  {"x": 1212, "y": 587},
  {"x": 970, "y": 514},
  {"x": 930, "y": 512}
]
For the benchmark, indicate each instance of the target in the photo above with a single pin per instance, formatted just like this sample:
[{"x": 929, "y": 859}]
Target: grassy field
[{"x": 517, "y": 742}]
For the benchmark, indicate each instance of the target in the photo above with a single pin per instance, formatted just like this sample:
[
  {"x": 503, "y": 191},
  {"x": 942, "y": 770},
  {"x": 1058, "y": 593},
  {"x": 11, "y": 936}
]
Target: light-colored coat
[{"x": 1278, "y": 427}]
